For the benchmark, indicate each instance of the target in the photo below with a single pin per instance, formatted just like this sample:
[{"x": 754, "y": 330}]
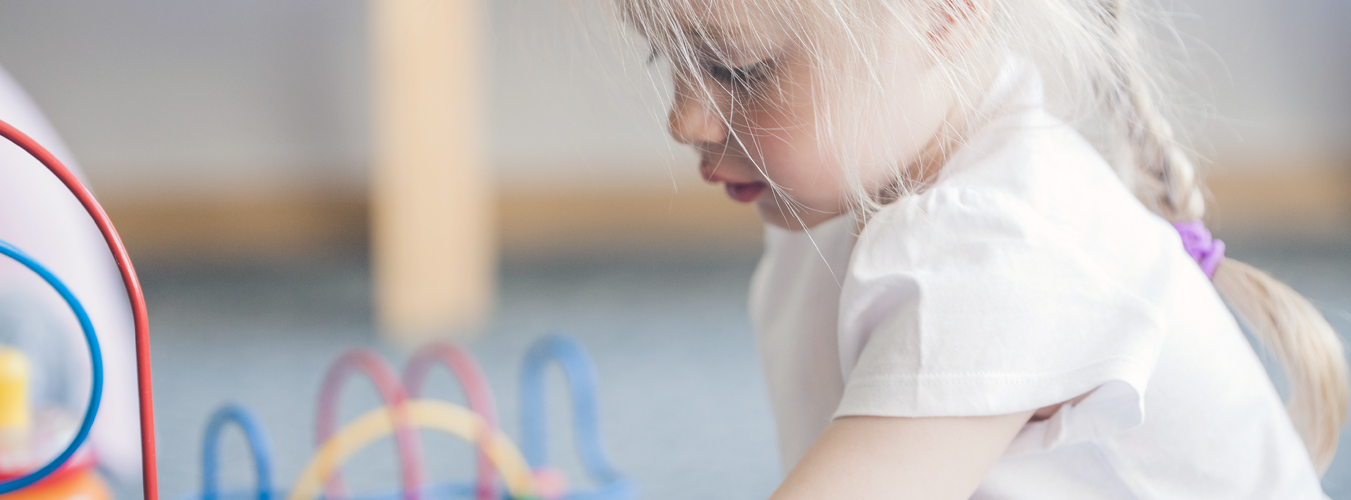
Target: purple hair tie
[{"x": 1196, "y": 240}]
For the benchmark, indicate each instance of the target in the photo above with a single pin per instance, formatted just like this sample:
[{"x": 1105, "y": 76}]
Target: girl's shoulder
[
  {"x": 1021, "y": 176},
  {"x": 1027, "y": 274},
  {"x": 1027, "y": 183}
]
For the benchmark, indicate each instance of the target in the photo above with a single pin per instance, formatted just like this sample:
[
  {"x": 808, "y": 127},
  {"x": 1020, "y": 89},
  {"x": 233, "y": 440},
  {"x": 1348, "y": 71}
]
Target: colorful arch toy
[{"x": 525, "y": 475}]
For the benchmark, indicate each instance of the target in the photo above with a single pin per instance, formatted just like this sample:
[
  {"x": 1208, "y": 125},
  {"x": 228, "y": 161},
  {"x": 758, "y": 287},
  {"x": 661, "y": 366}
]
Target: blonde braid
[
  {"x": 1166, "y": 175},
  {"x": 1286, "y": 323}
]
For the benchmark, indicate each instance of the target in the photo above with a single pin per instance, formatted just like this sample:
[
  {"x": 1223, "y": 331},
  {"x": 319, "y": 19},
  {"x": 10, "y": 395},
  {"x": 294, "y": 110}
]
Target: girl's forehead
[{"x": 727, "y": 23}]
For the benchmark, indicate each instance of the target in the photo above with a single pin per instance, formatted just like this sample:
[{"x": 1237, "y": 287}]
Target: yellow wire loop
[{"x": 426, "y": 414}]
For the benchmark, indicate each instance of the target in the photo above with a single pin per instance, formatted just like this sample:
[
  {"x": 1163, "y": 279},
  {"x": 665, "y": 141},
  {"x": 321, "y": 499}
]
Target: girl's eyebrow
[
  {"x": 726, "y": 42},
  {"x": 719, "y": 32}
]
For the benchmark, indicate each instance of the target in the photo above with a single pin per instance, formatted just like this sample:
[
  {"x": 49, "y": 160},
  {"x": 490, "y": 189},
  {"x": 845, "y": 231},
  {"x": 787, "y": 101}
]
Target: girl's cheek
[
  {"x": 785, "y": 159},
  {"x": 783, "y": 129}
]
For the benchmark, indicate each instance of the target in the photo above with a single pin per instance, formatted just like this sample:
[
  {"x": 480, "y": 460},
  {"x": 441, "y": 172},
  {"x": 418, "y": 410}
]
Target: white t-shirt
[{"x": 1025, "y": 276}]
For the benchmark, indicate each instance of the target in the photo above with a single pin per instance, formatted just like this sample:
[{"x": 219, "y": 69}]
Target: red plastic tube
[
  {"x": 476, "y": 390},
  {"x": 405, "y": 436},
  {"x": 145, "y": 389}
]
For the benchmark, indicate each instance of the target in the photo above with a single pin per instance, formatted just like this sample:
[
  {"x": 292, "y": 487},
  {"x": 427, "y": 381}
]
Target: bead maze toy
[
  {"x": 69, "y": 473},
  {"x": 525, "y": 474}
]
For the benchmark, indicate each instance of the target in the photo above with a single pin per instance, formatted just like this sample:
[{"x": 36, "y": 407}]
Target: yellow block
[{"x": 15, "y": 417}]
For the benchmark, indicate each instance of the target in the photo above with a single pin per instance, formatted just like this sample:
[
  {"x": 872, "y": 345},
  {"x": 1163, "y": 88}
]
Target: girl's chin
[
  {"x": 771, "y": 213},
  {"x": 745, "y": 192}
]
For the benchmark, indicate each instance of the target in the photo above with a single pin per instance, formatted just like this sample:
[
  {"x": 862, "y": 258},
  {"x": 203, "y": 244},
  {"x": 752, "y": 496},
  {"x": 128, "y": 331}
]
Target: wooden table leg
[{"x": 433, "y": 238}]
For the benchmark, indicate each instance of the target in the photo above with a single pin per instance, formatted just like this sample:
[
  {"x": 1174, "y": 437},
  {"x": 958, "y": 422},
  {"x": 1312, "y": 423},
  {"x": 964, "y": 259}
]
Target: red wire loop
[
  {"x": 145, "y": 389},
  {"x": 405, "y": 436},
  {"x": 476, "y": 390}
]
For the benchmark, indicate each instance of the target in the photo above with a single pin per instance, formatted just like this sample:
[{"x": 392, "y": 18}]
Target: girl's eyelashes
[{"x": 742, "y": 76}]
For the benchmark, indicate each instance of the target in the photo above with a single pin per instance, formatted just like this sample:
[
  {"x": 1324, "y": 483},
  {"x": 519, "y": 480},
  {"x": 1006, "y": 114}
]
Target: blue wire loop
[
  {"x": 258, "y": 443},
  {"x": 96, "y": 369},
  {"x": 581, "y": 376}
]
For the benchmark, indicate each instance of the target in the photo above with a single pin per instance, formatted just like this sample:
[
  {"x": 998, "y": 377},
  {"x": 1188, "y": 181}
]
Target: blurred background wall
[{"x": 242, "y": 126}]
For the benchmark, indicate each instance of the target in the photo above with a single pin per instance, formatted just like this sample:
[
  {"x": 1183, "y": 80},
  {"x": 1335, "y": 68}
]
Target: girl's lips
[{"x": 745, "y": 192}]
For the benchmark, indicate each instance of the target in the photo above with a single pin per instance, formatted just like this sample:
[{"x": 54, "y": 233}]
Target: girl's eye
[{"x": 743, "y": 76}]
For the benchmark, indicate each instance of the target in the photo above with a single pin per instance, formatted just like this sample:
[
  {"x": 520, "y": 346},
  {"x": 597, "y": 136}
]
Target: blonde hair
[{"x": 1098, "y": 57}]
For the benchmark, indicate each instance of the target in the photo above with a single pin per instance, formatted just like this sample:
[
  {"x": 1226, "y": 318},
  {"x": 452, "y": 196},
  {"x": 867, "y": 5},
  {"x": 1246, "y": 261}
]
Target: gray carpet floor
[{"x": 681, "y": 401}]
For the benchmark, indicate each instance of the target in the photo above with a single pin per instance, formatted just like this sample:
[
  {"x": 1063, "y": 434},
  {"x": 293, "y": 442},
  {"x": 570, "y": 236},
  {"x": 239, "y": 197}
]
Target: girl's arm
[{"x": 901, "y": 458}]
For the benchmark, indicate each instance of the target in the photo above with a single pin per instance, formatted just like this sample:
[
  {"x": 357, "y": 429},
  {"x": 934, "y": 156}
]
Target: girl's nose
[{"x": 692, "y": 122}]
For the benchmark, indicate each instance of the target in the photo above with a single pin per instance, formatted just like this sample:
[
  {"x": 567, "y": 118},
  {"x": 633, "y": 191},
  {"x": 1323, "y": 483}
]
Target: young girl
[{"x": 959, "y": 297}]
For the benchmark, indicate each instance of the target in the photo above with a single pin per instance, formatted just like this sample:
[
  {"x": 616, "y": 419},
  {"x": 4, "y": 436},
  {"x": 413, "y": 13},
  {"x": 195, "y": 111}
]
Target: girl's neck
[{"x": 962, "y": 120}]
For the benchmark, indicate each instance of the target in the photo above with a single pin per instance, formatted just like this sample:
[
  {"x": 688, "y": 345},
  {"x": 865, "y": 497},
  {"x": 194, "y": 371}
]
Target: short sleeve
[{"x": 961, "y": 303}]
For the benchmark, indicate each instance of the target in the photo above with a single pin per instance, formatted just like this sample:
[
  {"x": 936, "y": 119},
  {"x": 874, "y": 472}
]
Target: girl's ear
[{"x": 955, "y": 25}]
